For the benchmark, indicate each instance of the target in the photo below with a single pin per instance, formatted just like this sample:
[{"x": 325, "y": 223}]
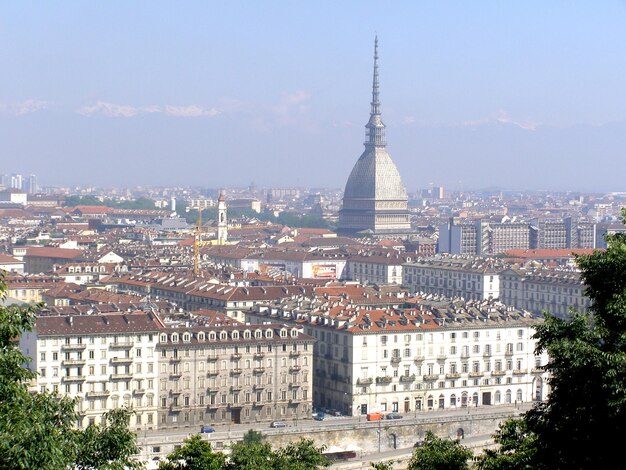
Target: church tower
[
  {"x": 375, "y": 200},
  {"x": 222, "y": 221}
]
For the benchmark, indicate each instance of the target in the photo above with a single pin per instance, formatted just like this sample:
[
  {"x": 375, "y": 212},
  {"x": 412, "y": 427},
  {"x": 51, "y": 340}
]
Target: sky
[{"x": 515, "y": 95}]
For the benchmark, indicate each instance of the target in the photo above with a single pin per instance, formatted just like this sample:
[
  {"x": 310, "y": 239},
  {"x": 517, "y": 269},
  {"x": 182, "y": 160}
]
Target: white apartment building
[
  {"x": 440, "y": 355},
  {"x": 376, "y": 269},
  {"x": 551, "y": 290},
  {"x": 471, "y": 278},
  {"x": 106, "y": 361}
]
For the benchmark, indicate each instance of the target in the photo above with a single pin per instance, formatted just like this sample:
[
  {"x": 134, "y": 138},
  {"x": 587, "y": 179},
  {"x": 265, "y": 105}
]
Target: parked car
[
  {"x": 319, "y": 416},
  {"x": 205, "y": 428},
  {"x": 393, "y": 415},
  {"x": 278, "y": 424}
]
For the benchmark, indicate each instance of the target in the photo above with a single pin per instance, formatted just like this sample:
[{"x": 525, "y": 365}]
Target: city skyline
[{"x": 483, "y": 96}]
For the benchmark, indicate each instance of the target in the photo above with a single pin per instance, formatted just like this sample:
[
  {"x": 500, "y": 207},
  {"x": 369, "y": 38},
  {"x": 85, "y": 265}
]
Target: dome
[{"x": 375, "y": 176}]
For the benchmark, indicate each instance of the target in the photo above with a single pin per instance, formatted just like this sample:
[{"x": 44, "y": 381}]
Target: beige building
[{"x": 234, "y": 373}]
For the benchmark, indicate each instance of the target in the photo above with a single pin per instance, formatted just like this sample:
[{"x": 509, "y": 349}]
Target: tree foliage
[
  {"x": 440, "y": 454},
  {"x": 583, "y": 422},
  {"x": 197, "y": 454},
  {"x": 194, "y": 454},
  {"x": 252, "y": 437},
  {"x": 37, "y": 429}
]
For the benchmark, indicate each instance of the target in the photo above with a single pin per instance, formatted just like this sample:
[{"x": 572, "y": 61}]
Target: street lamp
[{"x": 378, "y": 436}]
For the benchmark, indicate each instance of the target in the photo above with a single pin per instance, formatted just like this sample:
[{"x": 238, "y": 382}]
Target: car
[
  {"x": 205, "y": 429},
  {"x": 393, "y": 415},
  {"x": 319, "y": 416},
  {"x": 375, "y": 416},
  {"x": 278, "y": 424}
]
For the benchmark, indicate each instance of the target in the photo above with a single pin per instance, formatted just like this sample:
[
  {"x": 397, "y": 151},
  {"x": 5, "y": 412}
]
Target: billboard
[{"x": 324, "y": 271}]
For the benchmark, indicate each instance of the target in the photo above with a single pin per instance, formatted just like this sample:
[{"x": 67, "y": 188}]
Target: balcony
[
  {"x": 383, "y": 380},
  {"x": 465, "y": 355},
  {"x": 175, "y": 392},
  {"x": 431, "y": 377},
  {"x": 176, "y": 408},
  {"x": 395, "y": 359},
  {"x": 259, "y": 355},
  {"x": 418, "y": 359},
  {"x": 258, "y": 386},
  {"x": 73, "y": 378},
  {"x": 294, "y": 354},
  {"x": 258, "y": 370},
  {"x": 174, "y": 360},
  {"x": 520, "y": 371},
  {"x": 213, "y": 357},
  {"x": 121, "y": 360},
  {"x": 407, "y": 378},
  {"x": 123, "y": 376},
  {"x": 213, "y": 372},
  {"x": 366, "y": 381},
  {"x": 476, "y": 374},
  {"x": 99, "y": 394},
  {"x": 235, "y": 356},
  {"x": 496, "y": 373},
  {"x": 176, "y": 374},
  {"x": 139, "y": 391},
  {"x": 73, "y": 347},
  {"x": 453, "y": 375},
  {"x": 508, "y": 353},
  {"x": 537, "y": 370},
  {"x": 235, "y": 371},
  {"x": 294, "y": 368},
  {"x": 122, "y": 345},
  {"x": 295, "y": 385},
  {"x": 73, "y": 362},
  {"x": 442, "y": 358},
  {"x": 487, "y": 354}
]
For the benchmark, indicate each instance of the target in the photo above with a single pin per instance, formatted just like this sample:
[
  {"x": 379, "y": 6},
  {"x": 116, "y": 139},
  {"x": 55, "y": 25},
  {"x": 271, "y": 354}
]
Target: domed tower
[
  {"x": 222, "y": 222},
  {"x": 375, "y": 199}
]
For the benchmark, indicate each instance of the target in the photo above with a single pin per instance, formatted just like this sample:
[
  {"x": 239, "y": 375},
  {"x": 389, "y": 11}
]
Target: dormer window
[
  {"x": 186, "y": 337},
  {"x": 175, "y": 338},
  {"x": 235, "y": 335},
  {"x": 269, "y": 334},
  {"x": 212, "y": 336},
  {"x": 283, "y": 333},
  {"x": 258, "y": 334},
  {"x": 223, "y": 336},
  {"x": 294, "y": 333},
  {"x": 246, "y": 334},
  {"x": 163, "y": 339},
  {"x": 201, "y": 336}
]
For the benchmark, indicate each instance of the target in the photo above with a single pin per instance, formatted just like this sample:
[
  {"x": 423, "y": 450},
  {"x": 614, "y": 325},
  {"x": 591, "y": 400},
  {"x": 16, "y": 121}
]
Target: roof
[
  {"x": 375, "y": 176},
  {"x": 548, "y": 253},
  {"x": 49, "y": 252},
  {"x": 98, "y": 324}
]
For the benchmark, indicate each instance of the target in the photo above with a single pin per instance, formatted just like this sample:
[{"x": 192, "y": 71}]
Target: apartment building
[
  {"x": 106, "y": 361},
  {"x": 471, "y": 278},
  {"x": 234, "y": 373},
  {"x": 376, "y": 268},
  {"x": 539, "y": 290},
  {"x": 442, "y": 354}
]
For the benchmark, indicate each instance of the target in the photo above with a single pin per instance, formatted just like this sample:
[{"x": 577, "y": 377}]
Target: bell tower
[{"x": 222, "y": 221}]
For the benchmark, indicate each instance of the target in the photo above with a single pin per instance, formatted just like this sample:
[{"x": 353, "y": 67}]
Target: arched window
[
  {"x": 453, "y": 400},
  {"x": 508, "y": 396},
  {"x": 519, "y": 395},
  {"x": 498, "y": 397}
]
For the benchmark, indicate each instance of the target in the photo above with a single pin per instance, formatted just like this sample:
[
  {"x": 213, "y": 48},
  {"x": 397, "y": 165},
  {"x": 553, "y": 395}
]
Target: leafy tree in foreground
[
  {"x": 194, "y": 454},
  {"x": 252, "y": 437},
  {"x": 515, "y": 451},
  {"x": 34, "y": 428},
  {"x": 440, "y": 454},
  {"x": 110, "y": 446},
  {"x": 251, "y": 457},
  {"x": 37, "y": 429},
  {"x": 583, "y": 422},
  {"x": 382, "y": 465},
  {"x": 301, "y": 455}
]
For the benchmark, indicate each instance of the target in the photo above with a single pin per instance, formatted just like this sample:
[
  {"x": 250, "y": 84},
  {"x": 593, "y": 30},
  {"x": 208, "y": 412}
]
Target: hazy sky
[{"x": 474, "y": 94}]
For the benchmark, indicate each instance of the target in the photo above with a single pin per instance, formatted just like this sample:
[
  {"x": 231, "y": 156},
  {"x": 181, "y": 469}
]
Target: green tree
[
  {"x": 251, "y": 457},
  {"x": 194, "y": 454},
  {"x": 440, "y": 454},
  {"x": 252, "y": 437},
  {"x": 583, "y": 422},
  {"x": 110, "y": 446},
  {"x": 34, "y": 428},
  {"x": 301, "y": 455},
  {"x": 382, "y": 465},
  {"x": 515, "y": 448}
]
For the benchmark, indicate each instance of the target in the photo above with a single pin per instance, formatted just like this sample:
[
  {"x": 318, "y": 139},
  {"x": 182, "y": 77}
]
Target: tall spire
[
  {"x": 375, "y": 129},
  {"x": 375, "y": 83}
]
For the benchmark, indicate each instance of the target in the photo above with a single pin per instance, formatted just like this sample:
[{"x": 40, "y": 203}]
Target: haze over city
[{"x": 474, "y": 95}]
